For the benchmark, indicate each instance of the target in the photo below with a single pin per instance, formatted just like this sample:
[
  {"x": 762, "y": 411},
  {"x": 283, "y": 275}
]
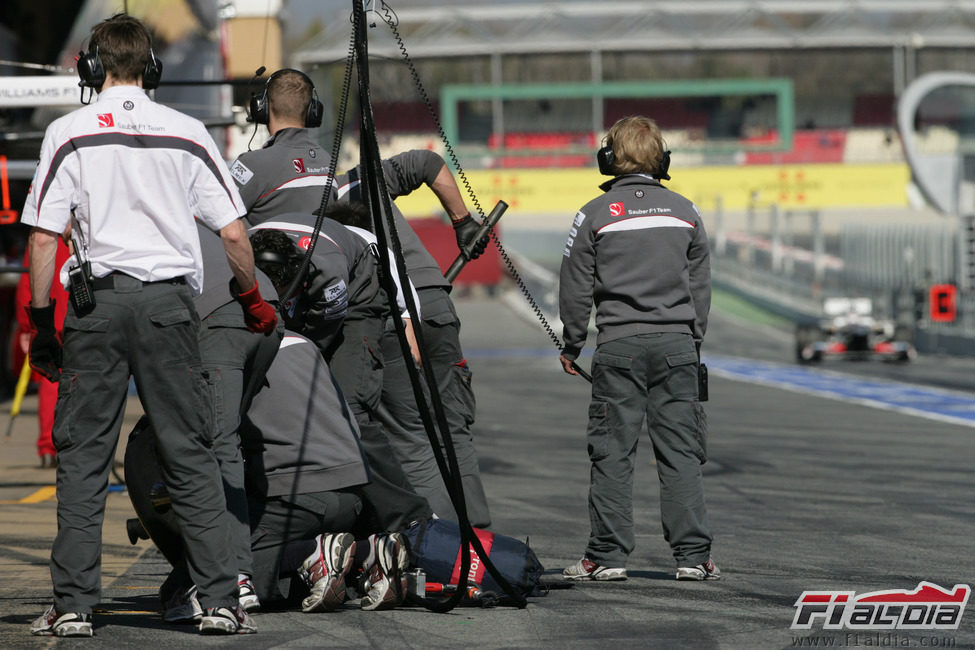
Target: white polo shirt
[{"x": 135, "y": 173}]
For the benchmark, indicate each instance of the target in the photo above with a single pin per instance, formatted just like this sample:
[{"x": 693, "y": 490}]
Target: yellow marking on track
[{"x": 45, "y": 493}]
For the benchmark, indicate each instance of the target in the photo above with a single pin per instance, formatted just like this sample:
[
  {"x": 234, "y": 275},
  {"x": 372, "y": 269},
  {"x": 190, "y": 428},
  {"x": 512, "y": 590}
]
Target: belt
[{"x": 108, "y": 282}]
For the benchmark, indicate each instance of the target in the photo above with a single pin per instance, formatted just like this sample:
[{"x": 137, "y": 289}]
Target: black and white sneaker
[
  {"x": 53, "y": 623},
  {"x": 224, "y": 620}
]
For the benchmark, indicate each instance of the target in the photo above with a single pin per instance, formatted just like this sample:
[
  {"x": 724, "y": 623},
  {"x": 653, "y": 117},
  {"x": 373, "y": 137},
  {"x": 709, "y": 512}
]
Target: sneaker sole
[
  {"x": 73, "y": 629},
  {"x": 250, "y": 603},
  {"x": 220, "y": 625},
  {"x": 696, "y": 576},
  {"x": 341, "y": 552}
]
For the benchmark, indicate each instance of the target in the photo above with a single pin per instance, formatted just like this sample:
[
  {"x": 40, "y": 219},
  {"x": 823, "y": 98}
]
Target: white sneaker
[
  {"x": 51, "y": 623},
  {"x": 223, "y": 620},
  {"x": 707, "y": 571},
  {"x": 324, "y": 572},
  {"x": 183, "y": 607},
  {"x": 586, "y": 569},
  {"x": 247, "y": 595},
  {"x": 383, "y": 569}
]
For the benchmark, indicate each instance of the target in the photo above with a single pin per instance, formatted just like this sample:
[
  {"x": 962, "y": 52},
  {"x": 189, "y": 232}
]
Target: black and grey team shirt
[
  {"x": 344, "y": 285},
  {"x": 287, "y": 174},
  {"x": 639, "y": 252},
  {"x": 404, "y": 173}
]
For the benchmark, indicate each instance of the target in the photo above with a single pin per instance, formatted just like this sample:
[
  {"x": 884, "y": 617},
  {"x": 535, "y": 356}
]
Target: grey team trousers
[
  {"x": 400, "y": 415},
  {"x": 148, "y": 331},
  {"x": 652, "y": 378},
  {"x": 235, "y": 360}
]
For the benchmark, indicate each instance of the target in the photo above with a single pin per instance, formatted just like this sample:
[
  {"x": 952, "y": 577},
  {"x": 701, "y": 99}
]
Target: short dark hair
[
  {"x": 276, "y": 255},
  {"x": 123, "y": 44},
  {"x": 351, "y": 214},
  {"x": 289, "y": 94}
]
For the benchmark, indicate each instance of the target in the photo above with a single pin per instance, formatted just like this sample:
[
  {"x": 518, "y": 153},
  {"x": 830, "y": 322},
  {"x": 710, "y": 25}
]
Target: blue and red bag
[{"x": 435, "y": 548}]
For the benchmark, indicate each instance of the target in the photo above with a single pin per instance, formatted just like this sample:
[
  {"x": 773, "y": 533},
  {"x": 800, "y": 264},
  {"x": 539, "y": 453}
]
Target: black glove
[
  {"x": 45, "y": 345},
  {"x": 466, "y": 230}
]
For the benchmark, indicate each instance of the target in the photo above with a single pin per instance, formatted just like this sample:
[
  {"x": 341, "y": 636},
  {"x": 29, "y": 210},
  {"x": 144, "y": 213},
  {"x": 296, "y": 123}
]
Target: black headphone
[
  {"x": 260, "y": 112},
  {"x": 92, "y": 71},
  {"x": 288, "y": 262},
  {"x": 607, "y": 159},
  {"x": 271, "y": 257}
]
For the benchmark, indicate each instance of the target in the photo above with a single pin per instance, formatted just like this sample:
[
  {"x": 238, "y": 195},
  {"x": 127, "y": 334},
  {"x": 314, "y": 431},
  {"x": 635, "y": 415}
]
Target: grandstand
[{"x": 848, "y": 61}]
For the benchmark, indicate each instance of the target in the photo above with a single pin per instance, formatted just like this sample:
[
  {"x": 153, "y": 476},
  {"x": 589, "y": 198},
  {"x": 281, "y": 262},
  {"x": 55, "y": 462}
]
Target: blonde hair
[{"x": 638, "y": 146}]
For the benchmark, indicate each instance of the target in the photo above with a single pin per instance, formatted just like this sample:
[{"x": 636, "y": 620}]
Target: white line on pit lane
[{"x": 922, "y": 401}]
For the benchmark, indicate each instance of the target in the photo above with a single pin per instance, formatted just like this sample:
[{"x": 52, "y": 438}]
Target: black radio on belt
[
  {"x": 82, "y": 296},
  {"x": 702, "y": 382}
]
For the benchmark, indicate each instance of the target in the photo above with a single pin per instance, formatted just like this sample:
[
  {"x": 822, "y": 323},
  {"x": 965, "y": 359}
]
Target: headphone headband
[
  {"x": 260, "y": 111},
  {"x": 606, "y": 160},
  {"x": 91, "y": 70}
]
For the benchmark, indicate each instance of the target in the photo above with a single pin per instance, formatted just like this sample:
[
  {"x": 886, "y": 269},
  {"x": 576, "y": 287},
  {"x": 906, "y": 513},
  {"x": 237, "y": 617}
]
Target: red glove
[{"x": 258, "y": 313}]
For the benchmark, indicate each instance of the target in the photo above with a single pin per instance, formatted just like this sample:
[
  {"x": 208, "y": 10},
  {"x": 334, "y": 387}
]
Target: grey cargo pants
[
  {"x": 148, "y": 331},
  {"x": 650, "y": 377}
]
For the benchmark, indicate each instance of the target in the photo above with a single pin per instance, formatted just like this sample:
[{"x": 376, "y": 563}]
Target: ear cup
[
  {"x": 268, "y": 256},
  {"x": 664, "y": 167},
  {"x": 153, "y": 72},
  {"x": 606, "y": 159},
  {"x": 313, "y": 118},
  {"x": 90, "y": 70}
]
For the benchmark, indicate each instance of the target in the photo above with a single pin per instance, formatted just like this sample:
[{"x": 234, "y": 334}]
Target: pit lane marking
[
  {"x": 46, "y": 493},
  {"x": 921, "y": 401}
]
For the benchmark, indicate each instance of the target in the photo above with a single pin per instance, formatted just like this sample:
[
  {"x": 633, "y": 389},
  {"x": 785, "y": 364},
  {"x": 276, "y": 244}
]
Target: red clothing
[{"x": 47, "y": 391}]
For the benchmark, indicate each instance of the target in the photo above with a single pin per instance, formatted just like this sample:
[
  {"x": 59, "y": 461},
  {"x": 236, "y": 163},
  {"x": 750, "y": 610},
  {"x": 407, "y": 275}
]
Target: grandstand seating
[{"x": 819, "y": 146}]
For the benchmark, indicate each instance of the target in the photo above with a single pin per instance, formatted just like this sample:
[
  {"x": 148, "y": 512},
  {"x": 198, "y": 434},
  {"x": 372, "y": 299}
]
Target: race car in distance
[{"x": 848, "y": 330}]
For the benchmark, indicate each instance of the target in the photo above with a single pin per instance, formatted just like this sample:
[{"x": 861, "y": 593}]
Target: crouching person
[{"x": 305, "y": 474}]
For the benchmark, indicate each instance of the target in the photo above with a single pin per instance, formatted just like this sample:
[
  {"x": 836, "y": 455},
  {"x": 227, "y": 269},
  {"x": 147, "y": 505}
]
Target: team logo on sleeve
[
  {"x": 105, "y": 120},
  {"x": 299, "y": 165},
  {"x": 573, "y": 233},
  {"x": 241, "y": 173},
  {"x": 617, "y": 209}
]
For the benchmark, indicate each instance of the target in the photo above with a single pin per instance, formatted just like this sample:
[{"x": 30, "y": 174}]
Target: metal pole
[{"x": 497, "y": 104}]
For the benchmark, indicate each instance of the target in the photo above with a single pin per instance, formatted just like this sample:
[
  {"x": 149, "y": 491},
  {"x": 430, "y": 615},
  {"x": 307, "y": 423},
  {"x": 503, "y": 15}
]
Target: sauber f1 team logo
[
  {"x": 105, "y": 120},
  {"x": 928, "y": 607},
  {"x": 299, "y": 165},
  {"x": 616, "y": 209}
]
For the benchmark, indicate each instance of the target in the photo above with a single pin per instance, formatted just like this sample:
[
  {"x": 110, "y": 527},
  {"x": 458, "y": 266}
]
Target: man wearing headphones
[
  {"x": 289, "y": 172},
  {"x": 652, "y": 294},
  {"x": 126, "y": 176}
]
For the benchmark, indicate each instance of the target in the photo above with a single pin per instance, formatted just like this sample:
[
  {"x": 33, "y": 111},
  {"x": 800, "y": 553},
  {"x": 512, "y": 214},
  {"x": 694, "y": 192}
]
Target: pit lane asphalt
[{"x": 804, "y": 493}]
